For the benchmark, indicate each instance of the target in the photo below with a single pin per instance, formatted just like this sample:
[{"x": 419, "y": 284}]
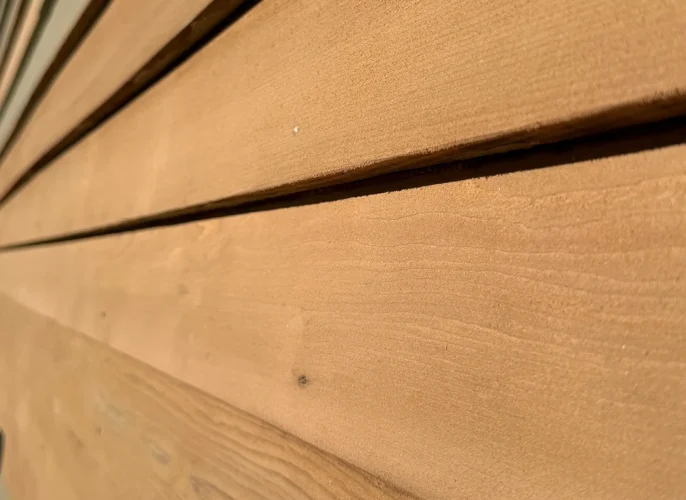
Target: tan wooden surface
[
  {"x": 85, "y": 422},
  {"x": 17, "y": 50},
  {"x": 125, "y": 38},
  {"x": 510, "y": 336},
  {"x": 300, "y": 92}
]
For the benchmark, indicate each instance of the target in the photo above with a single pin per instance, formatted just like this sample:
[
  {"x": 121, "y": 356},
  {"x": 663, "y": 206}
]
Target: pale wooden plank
[
  {"x": 61, "y": 19},
  {"x": 509, "y": 336},
  {"x": 85, "y": 422},
  {"x": 25, "y": 31},
  {"x": 300, "y": 93},
  {"x": 124, "y": 51}
]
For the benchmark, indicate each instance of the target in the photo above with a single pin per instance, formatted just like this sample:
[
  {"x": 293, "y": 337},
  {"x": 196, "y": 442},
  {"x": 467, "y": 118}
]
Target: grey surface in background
[{"x": 53, "y": 32}]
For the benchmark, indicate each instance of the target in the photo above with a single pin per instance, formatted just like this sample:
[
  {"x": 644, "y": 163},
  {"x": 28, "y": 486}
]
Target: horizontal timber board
[
  {"x": 82, "y": 421},
  {"x": 516, "y": 335},
  {"x": 131, "y": 44},
  {"x": 298, "y": 93}
]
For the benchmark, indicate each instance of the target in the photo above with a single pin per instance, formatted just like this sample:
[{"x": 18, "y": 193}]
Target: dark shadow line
[
  {"x": 609, "y": 144},
  {"x": 214, "y": 19},
  {"x": 619, "y": 117},
  {"x": 2, "y": 448}
]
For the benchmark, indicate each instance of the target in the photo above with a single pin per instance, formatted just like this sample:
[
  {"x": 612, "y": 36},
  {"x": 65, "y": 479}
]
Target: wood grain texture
[
  {"x": 300, "y": 93},
  {"x": 111, "y": 63},
  {"x": 25, "y": 32},
  {"x": 519, "y": 335},
  {"x": 85, "y": 422}
]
